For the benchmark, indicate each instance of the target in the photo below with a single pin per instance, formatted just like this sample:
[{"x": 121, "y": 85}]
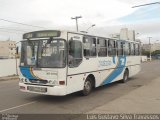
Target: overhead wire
[
  {"x": 13, "y": 29},
  {"x": 146, "y": 4},
  {"x": 10, "y": 32},
  {"x": 20, "y": 23}
]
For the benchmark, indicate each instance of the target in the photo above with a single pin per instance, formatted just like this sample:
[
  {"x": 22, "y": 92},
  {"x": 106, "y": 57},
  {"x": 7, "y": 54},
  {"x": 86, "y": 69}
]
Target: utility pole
[
  {"x": 150, "y": 48},
  {"x": 76, "y": 18}
]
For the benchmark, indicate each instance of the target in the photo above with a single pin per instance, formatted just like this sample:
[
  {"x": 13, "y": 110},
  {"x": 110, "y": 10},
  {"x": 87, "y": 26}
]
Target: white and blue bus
[{"x": 61, "y": 62}]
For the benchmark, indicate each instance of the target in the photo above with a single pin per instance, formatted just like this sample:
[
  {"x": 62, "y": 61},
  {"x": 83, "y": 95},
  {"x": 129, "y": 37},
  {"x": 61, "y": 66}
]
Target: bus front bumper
[{"x": 55, "y": 90}]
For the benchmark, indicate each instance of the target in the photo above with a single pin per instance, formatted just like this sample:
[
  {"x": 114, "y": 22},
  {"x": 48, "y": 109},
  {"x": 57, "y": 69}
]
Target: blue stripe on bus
[
  {"x": 114, "y": 59},
  {"x": 117, "y": 71},
  {"x": 27, "y": 73}
]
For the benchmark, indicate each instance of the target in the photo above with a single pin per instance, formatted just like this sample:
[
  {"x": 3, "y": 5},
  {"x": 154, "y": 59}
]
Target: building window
[
  {"x": 111, "y": 47},
  {"x": 89, "y": 46},
  {"x": 102, "y": 47}
]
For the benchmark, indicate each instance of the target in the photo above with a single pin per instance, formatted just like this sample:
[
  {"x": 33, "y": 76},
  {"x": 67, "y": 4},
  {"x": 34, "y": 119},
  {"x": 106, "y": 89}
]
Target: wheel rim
[
  {"x": 87, "y": 86},
  {"x": 125, "y": 76}
]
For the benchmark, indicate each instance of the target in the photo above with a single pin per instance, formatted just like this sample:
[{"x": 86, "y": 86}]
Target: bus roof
[{"x": 57, "y": 33}]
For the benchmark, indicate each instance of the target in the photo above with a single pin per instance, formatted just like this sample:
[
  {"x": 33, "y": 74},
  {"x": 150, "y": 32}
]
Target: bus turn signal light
[
  {"x": 62, "y": 82},
  {"x": 22, "y": 87}
]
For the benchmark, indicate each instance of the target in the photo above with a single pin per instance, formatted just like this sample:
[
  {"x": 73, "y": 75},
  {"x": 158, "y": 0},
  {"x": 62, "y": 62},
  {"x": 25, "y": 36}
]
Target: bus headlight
[{"x": 21, "y": 80}]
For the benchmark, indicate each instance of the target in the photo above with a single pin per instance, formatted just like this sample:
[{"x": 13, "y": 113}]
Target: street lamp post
[
  {"x": 76, "y": 18},
  {"x": 90, "y": 27},
  {"x": 150, "y": 48},
  {"x": 157, "y": 41}
]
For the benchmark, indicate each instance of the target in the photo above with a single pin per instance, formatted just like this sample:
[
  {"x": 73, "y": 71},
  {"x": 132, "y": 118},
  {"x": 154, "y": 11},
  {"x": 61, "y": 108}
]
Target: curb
[{"x": 7, "y": 78}]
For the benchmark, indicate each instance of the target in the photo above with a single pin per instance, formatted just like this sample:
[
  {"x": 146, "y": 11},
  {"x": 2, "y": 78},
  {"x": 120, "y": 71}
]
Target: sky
[{"x": 108, "y": 16}]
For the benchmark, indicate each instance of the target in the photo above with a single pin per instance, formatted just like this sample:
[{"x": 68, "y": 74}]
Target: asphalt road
[{"x": 14, "y": 101}]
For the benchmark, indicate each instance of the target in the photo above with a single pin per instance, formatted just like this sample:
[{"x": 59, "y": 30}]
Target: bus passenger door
[{"x": 75, "y": 69}]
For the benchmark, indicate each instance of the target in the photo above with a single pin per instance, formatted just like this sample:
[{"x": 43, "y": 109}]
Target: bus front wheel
[{"x": 87, "y": 87}]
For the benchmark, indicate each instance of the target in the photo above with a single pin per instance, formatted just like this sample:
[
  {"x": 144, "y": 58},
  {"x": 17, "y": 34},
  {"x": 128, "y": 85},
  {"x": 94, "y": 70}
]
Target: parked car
[{"x": 157, "y": 56}]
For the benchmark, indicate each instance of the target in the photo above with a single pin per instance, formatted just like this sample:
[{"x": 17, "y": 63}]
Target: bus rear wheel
[
  {"x": 125, "y": 76},
  {"x": 87, "y": 87}
]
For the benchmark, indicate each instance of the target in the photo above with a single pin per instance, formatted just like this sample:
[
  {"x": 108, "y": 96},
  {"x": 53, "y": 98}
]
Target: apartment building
[
  {"x": 153, "y": 47},
  {"x": 7, "y": 49},
  {"x": 124, "y": 34}
]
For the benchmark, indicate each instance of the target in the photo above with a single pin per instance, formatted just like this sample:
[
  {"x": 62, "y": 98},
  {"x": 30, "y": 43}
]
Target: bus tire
[
  {"x": 125, "y": 76},
  {"x": 88, "y": 85}
]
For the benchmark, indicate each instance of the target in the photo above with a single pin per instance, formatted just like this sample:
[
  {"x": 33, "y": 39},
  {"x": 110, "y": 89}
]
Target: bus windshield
[{"x": 44, "y": 53}]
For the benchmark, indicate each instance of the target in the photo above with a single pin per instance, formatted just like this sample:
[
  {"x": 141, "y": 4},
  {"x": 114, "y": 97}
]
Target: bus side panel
[
  {"x": 75, "y": 83},
  {"x": 133, "y": 60},
  {"x": 134, "y": 70},
  {"x": 133, "y": 64},
  {"x": 106, "y": 66},
  {"x": 115, "y": 70}
]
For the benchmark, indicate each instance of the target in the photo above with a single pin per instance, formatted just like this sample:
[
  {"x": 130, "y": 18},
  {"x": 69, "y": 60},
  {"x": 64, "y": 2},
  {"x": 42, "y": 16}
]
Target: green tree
[
  {"x": 155, "y": 52},
  {"x": 146, "y": 53}
]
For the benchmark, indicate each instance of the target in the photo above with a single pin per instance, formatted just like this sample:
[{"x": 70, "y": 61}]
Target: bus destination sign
[{"x": 41, "y": 34}]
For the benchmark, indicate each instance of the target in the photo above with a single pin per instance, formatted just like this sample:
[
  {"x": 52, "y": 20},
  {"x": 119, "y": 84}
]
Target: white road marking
[{"x": 17, "y": 106}]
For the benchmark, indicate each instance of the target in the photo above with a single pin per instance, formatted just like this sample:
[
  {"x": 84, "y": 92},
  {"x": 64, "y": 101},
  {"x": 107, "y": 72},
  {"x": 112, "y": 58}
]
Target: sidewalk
[
  {"x": 145, "y": 99},
  {"x": 6, "y": 78}
]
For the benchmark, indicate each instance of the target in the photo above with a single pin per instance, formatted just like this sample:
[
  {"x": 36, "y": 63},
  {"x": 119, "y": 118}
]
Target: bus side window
[
  {"x": 127, "y": 48},
  {"x": 74, "y": 53},
  {"x": 137, "y": 49},
  {"x": 102, "y": 47},
  {"x": 89, "y": 46},
  {"x": 119, "y": 48},
  {"x": 114, "y": 48},
  {"x": 132, "y": 48},
  {"x": 111, "y": 47},
  {"x": 86, "y": 46}
]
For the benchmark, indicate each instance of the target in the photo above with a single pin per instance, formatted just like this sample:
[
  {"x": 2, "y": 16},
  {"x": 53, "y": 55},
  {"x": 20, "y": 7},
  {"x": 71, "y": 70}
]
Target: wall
[
  {"x": 144, "y": 58},
  {"x": 8, "y": 67}
]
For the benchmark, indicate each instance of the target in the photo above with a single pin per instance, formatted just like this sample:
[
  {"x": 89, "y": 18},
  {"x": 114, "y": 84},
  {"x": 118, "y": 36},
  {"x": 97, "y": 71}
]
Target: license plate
[{"x": 37, "y": 89}]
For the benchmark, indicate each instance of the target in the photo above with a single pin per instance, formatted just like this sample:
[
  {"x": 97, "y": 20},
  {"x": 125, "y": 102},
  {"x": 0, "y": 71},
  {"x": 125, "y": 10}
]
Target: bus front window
[
  {"x": 29, "y": 53},
  {"x": 52, "y": 54},
  {"x": 44, "y": 53}
]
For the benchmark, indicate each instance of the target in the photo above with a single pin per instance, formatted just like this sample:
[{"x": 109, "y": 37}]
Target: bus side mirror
[{"x": 17, "y": 50}]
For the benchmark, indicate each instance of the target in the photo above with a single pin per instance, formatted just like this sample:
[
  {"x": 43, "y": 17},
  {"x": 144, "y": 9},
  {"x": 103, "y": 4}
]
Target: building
[
  {"x": 7, "y": 49},
  {"x": 124, "y": 34},
  {"x": 153, "y": 47}
]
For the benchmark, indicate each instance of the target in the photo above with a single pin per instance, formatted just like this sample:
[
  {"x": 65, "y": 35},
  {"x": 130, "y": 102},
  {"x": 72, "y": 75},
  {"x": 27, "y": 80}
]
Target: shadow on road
[{"x": 97, "y": 92}]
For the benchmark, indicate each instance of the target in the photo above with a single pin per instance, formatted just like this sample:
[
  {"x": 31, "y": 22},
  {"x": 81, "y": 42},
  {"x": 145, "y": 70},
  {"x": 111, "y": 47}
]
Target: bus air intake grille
[{"x": 39, "y": 81}]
